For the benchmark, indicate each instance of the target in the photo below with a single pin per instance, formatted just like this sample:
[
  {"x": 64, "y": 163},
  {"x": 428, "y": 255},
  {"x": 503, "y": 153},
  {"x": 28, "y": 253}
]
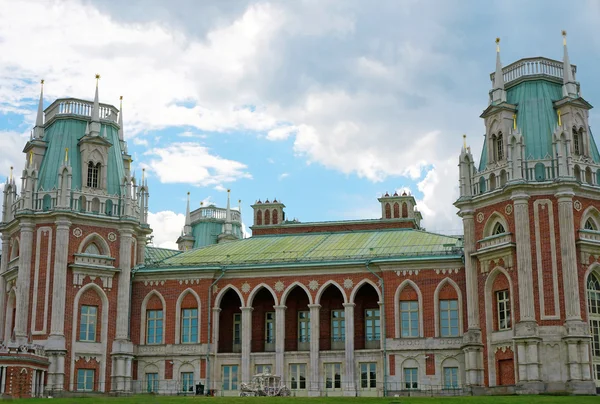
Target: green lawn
[{"x": 324, "y": 400}]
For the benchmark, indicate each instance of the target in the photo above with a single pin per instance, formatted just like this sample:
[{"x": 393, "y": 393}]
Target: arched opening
[
  {"x": 498, "y": 229},
  {"x": 396, "y": 210},
  {"x": 267, "y": 217},
  {"x": 593, "y": 300},
  {"x": 495, "y": 224},
  {"x": 501, "y": 299},
  {"x": 94, "y": 244},
  {"x": 95, "y": 205},
  {"x": 577, "y": 173},
  {"x": 588, "y": 176},
  {"x": 82, "y": 204},
  {"x": 481, "y": 185},
  {"x": 46, "y": 203},
  {"x": 275, "y": 218},
  {"x": 230, "y": 323},
  {"x": 108, "y": 208},
  {"x": 540, "y": 172},
  {"x": 367, "y": 318},
  {"x": 89, "y": 312},
  {"x": 93, "y": 175},
  {"x": 590, "y": 225},
  {"x": 598, "y": 177},
  {"x": 503, "y": 178},
  {"x": 500, "y": 147},
  {"x": 92, "y": 249},
  {"x": 576, "y": 142},
  {"x": 388, "y": 211},
  {"x": 448, "y": 309},
  {"x": 154, "y": 313},
  {"x": 187, "y": 318},
  {"x": 297, "y": 320},
  {"x": 332, "y": 319},
  {"x": 263, "y": 321},
  {"x": 451, "y": 373},
  {"x": 492, "y": 181},
  {"x": 409, "y": 313},
  {"x": 259, "y": 218},
  {"x": 404, "y": 210}
]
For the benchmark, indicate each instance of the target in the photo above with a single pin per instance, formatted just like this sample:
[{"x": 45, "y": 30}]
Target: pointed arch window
[
  {"x": 92, "y": 249},
  {"x": 93, "y": 174},
  {"x": 576, "y": 142},
  {"x": 500, "y": 147},
  {"x": 498, "y": 229},
  {"x": 590, "y": 225},
  {"x": 593, "y": 295}
]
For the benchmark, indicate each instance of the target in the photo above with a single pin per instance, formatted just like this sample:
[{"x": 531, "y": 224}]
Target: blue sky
[{"x": 323, "y": 104}]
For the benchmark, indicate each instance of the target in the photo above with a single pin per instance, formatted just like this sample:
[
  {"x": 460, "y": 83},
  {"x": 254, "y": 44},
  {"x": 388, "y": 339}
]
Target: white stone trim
[
  {"x": 94, "y": 237},
  {"x": 590, "y": 213},
  {"x": 143, "y": 315},
  {"x": 40, "y": 233},
  {"x": 324, "y": 286},
  {"x": 222, "y": 293},
  {"x": 494, "y": 218},
  {"x": 257, "y": 289},
  {"x": 360, "y": 284},
  {"x": 399, "y": 289},
  {"x": 539, "y": 261},
  {"x": 103, "y": 336},
  {"x": 291, "y": 287},
  {"x": 436, "y": 308},
  {"x": 178, "y": 315},
  {"x": 10, "y": 305}
]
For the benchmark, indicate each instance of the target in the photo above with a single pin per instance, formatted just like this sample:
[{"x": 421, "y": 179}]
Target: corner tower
[
  {"x": 529, "y": 257},
  {"x": 70, "y": 240}
]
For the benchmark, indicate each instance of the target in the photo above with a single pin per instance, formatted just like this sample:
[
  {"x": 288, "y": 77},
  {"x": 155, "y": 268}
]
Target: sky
[{"x": 322, "y": 104}]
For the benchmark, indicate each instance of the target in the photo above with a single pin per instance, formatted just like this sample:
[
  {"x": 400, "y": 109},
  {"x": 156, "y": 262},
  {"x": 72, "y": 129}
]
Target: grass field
[{"x": 324, "y": 400}]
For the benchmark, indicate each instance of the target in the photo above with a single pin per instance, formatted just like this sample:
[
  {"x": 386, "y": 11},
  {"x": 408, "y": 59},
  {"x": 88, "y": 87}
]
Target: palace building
[{"x": 356, "y": 308}]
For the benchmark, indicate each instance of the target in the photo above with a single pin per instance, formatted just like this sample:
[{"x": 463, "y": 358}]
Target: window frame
[
  {"x": 304, "y": 326},
  {"x": 368, "y": 375},
  {"x": 157, "y": 337},
  {"x": 447, "y": 332},
  {"x": 503, "y": 310},
  {"x": 93, "y": 175},
  {"x": 83, "y": 378},
  {"x": 412, "y": 382},
  {"x": 413, "y": 307},
  {"x": 191, "y": 333},
  {"x": 152, "y": 377},
  {"x": 84, "y": 337},
  {"x": 270, "y": 327},
  {"x": 237, "y": 328},
  {"x": 232, "y": 385},
  {"x": 184, "y": 378},
  {"x": 261, "y": 367},
  {"x": 500, "y": 147},
  {"x": 372, "y": 325},
  {"x": 298, "y": 372},
  {"x": 333, "y": 369},
  {"x": 338, "y": 325},
  {"x": 451, "y": 371}
]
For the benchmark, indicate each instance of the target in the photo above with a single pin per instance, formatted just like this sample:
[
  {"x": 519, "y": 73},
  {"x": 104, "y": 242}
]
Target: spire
[
  {"x": 228, "y": 227},
  {"x": 121, "y": 118},
  {"x": 187, "y": 228},
  {"x": 95, "y": 126},
  {"x": 38, "y": 131},
  {"x": 569, "y": 85},
  {"x": 498, "y": 93}
]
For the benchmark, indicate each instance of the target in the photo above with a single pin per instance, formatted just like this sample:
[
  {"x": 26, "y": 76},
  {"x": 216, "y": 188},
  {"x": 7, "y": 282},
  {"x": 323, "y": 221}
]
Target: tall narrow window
[
  {"x": 85, "y": 380},
  {"x": 449, "y": 318},
  {"x": 189, "y": 326},
  {"x": 151, "y": 382},
  {"x": 500, "y": 147},
  {"x": 230, "y": 377},
  {"x": 93, "y": 175},
  {"x": 409, "y": 319},
  {"x": 503, "y": 307},
  {"x": 269, "y": 327},
  {"x": 593, "y": 295},
  {"x": 154, "y": 325},
  {"x": 87, "y": 323},
  {"x": 372, "y": 324},
  {"x": 237, "y": 328},
  {"x": 303, "y": 326},
  {"x": 338, "y": 329},
  {"x": 298, "y": 376},
  {"x": 576, "y": 143},
  {"x": 333, "y": 376},
  {"x": 368, "y": 375},
  {"x": 411, "y": 378},
  {"x": 450, "y": 377},
  {"x": 187, "y": 381}
]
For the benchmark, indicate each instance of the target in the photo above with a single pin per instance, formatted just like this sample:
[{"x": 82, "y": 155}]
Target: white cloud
[
  {"x": 166, "y": 228},
  {"x": 283, "y": 176},
  {"x": 282, "y": 132},
  {"x": 11, "y": 152},
  {"x": 193, "y": 164}
]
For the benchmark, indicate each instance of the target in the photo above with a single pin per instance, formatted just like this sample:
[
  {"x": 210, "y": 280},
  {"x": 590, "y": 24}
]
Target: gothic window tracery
[
  {"x": 500, "y": 147},
  {"x": 593, "y": 296},
  {"x": 498, "y": 229},
  {"x": 92, "y": 248},
  {"x": 590, "y": 225},
  {"x": 93, "y": 174}
]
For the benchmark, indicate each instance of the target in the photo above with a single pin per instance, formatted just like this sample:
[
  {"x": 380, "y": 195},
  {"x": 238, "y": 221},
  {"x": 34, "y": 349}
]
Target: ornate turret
[
  {"x": 143, "y": 196},
  {"x": 186, "y": 240},
  {"x": 400, "y": 207},
  {"x": 227, "y": 234},
  {"x": 10, "y": 195},
  {"x": 498, "y": 94},
  {"x": 569, "y": 87},
  {"x": 268, "y": 213},
  {"x": 38, "y": 130}
]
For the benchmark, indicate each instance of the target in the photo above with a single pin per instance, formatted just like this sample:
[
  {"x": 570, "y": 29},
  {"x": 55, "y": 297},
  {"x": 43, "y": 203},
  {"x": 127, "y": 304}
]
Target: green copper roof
[
  {"x": 66, "y": 133},
  {"x": 317, "y": 247},
  {"x": 154, "y": 255},
  {"x": 536, "y": 116},
  {"x": 483, "y": 160},
  {"x": 206, "y": 232}
]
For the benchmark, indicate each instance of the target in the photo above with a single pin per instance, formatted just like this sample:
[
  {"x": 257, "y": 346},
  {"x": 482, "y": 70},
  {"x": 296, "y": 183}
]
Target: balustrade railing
[
  {"x": 212, "y": 212},
  {"x": 73, "y": 106},
  {"x": 533, "y": 67}
]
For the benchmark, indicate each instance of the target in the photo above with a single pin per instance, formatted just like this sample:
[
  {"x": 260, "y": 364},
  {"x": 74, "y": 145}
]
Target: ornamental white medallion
[
  {"x": 508, "y": 209},
  {"x": 313, "y": 285},
  {"x": 112, "y": 237},
  {"x": 480, "y": 217},
  {"x": 246, "y": 287},
  {"x": 279, "y": 286},
  {"x": 577, "y": 205},
  {"x": 348, "y": 283},
  {"x": 77, "y": 232}
]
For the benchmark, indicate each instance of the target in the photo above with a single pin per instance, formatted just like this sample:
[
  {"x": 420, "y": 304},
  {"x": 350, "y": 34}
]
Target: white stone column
[
  {"x": 280, "y": 340},
  {"x": 524, "y": 266},
  {"x": 314, "y": 350},
  {"x": 349, "y": 384},
  {"x": 23, "y": 281},
  {"x": 216, "y": 316},
  {"x": 246, "y": 342},
  {"x": 59, "y": 285},
  {"x": 568, "y": 254},
  {"x": 3, "y": 268}
]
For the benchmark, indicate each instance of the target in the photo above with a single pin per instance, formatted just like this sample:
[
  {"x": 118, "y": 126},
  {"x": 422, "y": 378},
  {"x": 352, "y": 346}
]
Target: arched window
[
  {"x": 267, "y": 217},
  {"x": 593, "y": 295},
  {"x": 576, "y": 143},
  {"x": 481, "y": 185},
  {"x": 396, "y": 210},
  {"x": 93, "y": 175},
  {"x": 493, "y": 145},
  {"x": 109, "y": 207},
  {"x": 590, "y": 225},
  {"x": 577, "y": 172},
  {"x": 92, "y": 248},
  {"x": 275, "y": 218},
  {"x": 46, "y": 203},
  {"x": 500, "y": 147},
  {"x": 492, "y": 181},
  {"x": 540, "y": 172},
  {"x": 498, "y": 229},
  {"x": 588, "y": 176},
  {"x": 404, "y": 209},
  {"x": 388, "y": 211},
  {"x": 259, "y": 218}
]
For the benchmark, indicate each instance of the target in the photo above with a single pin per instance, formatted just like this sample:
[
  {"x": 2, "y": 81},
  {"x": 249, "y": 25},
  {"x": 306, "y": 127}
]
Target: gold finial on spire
[
  {"x": 228, "y": 190},
  {"x": 42, "y": 82},
  {"x": 188, "y": 193},
  {"x": 97, "y": 78},
  {"x": 465, "y": 140},
  {"x": 66, "y": 154},
  {"x": 559, "y": 120},
  {"x": 515, "y": 121},
  {"x": 564, "y": 35},
  {"x": 143, "y": 173},
  {"x": 497, "y": 44},
  {"x": 202, "y": 203},
  {"x": 11, "y": 171}
]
